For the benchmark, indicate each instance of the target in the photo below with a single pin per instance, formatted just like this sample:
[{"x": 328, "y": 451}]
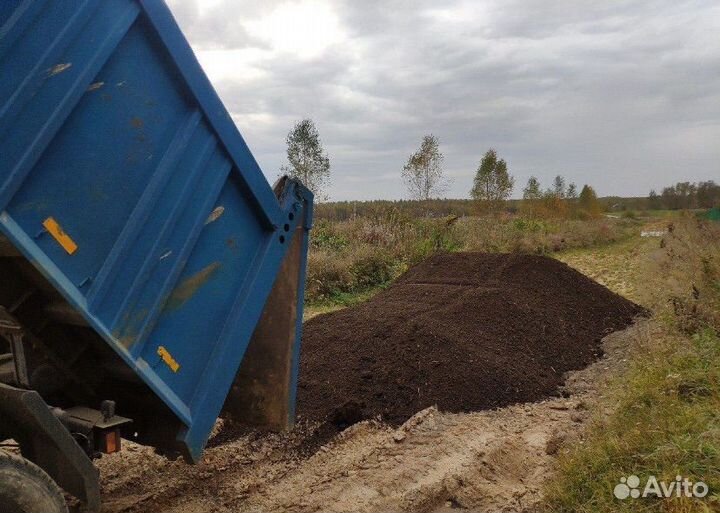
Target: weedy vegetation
[{"x": 368, "y": 252}]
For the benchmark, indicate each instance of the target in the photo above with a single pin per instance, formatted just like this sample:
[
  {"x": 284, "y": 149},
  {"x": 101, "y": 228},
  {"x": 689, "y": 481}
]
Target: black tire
[{"x": 26, "y": 488}]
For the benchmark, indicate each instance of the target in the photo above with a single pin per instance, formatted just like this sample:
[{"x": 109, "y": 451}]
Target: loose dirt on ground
[{"x": 494, "y": 460}]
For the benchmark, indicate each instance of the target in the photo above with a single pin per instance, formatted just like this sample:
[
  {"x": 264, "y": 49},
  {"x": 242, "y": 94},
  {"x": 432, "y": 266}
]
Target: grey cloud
[{"x": 622, "y": 95}]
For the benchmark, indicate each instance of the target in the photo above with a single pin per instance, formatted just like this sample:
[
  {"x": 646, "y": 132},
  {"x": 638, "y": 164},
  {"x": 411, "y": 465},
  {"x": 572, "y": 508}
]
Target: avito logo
[{"x": 629, "y": 487}]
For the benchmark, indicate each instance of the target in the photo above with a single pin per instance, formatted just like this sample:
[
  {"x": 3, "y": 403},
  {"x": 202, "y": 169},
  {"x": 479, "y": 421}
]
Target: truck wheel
[{"x": 26, "y": 488}]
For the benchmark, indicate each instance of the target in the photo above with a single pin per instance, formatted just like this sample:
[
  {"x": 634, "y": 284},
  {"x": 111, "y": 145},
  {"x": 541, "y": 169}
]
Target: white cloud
[
  {"x": 302, "y": 29},
  {"x": 239, "y": 64}
]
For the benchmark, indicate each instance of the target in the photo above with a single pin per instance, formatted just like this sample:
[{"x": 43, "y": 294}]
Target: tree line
[
  {"x": 493, "y": 185},
  {"x": 686, "y": 195},
  {"x": 424, "y": 178}
]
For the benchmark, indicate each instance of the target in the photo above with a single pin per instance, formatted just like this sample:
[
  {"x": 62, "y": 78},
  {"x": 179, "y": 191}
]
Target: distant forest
[{"x": 682, "y": 195}]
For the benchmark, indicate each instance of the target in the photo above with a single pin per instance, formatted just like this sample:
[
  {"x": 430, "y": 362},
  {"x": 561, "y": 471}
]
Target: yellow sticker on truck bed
[
  {"x": 62, "y": 238},
  {"x": 168, "y": 359}
]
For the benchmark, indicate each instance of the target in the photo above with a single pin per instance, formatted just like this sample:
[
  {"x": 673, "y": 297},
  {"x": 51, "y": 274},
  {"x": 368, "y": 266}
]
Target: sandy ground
[{"x": 487, "y": 461}]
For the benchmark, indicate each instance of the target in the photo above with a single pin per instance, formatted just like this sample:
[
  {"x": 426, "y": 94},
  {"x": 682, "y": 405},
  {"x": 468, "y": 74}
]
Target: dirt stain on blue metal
[
  {"x": 127, "y": 333},
  {"x": 190, "y": 286}
]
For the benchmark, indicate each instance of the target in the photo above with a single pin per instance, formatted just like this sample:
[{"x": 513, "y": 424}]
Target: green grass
[
  {"x": 339, "y": 301},
  {"x": 665, "y": 421}
]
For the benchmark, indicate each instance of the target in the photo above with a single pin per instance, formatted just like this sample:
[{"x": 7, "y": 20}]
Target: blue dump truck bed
[{"x": 142, "y": 248}]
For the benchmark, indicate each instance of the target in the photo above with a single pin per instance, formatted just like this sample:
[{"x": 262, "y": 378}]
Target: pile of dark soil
[{"x": 463, "y": 331}]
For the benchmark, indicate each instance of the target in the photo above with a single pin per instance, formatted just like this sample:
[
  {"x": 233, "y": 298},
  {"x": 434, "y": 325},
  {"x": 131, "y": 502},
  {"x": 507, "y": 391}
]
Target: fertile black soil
[{"x": 463, "y": 331}]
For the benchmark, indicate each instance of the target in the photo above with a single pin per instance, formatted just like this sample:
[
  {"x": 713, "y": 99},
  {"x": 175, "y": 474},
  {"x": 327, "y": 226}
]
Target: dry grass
[
  {"x": 685, "y": 273},
  {"x": 541, "y": 236},
  {"x": 620, "y": 267},
  {"x": 356, "y": 256}
]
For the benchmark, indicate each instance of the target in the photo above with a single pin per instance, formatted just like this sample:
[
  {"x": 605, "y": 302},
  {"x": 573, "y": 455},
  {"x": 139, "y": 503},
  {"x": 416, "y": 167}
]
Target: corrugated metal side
[{"x": 124, "y": 180}]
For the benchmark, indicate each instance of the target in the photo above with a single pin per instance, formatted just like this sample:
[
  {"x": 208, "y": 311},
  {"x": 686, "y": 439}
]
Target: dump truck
[{"x": 151, "y": 280}]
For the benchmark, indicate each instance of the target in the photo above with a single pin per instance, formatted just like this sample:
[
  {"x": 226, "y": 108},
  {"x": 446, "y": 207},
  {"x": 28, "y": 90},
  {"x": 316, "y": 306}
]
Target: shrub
[
  {"x": 324, "y": 235},
  {"x": 327, "y": 274},
  {"x": 371, "y": 267}
]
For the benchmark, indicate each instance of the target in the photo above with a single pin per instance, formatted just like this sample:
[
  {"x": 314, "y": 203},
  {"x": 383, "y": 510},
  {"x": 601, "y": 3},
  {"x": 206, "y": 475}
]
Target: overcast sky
[{"x": 623, "y": 95}]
